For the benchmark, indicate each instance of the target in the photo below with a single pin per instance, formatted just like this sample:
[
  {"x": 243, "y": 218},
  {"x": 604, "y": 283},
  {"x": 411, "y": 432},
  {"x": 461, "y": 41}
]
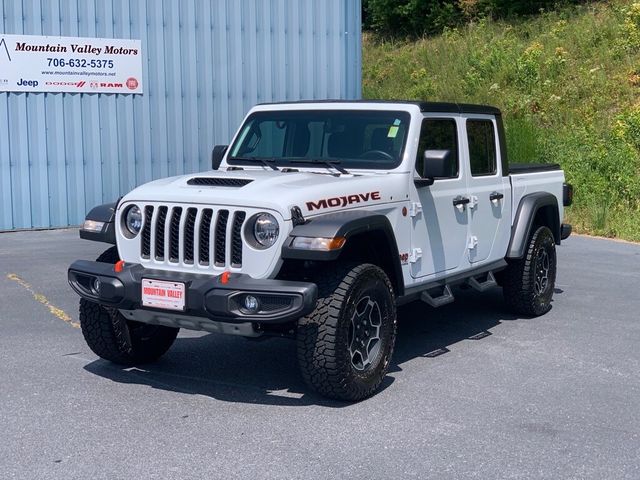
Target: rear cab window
[{"x": 481, "y": 138}]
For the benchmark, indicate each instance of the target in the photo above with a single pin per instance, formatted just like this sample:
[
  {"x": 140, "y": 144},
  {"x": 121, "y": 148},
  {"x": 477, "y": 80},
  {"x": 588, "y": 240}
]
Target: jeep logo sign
[
  {"x": 342, "y": 201},
  {"x": 27, "y": 83}
]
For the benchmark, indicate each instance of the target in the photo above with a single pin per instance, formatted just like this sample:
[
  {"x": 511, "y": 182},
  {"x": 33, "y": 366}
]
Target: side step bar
[
  {"x": 438, "y": 292},
  {"x": 482, "y": 283},
  {"x": 445, "y": 296}
]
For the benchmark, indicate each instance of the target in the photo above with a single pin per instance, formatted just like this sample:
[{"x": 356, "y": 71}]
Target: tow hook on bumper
[{"x": 205, "y": 295}]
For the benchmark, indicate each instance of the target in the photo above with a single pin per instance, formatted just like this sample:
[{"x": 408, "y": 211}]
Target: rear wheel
[
  {"x": 114, "y": 338},
  {"x": 528, "y": 283},
  {"x": 345, "y": 345}
]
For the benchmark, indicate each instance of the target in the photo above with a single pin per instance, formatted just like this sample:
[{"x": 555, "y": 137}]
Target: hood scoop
[{"x": 218, "y": 182}]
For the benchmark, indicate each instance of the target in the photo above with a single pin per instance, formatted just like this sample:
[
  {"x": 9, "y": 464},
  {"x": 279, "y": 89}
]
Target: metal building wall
[{"x": 205, "y": 63}]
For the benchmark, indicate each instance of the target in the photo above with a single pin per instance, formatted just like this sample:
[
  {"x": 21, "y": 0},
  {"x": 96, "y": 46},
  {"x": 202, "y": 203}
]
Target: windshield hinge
[
  {"x": 416, "y": 254},
  {"x": 415, "y": 209}
]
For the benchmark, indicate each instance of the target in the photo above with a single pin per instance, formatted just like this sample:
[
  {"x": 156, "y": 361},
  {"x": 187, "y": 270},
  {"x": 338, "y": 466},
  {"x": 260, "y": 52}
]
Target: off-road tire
[
  {"x": 325, "y": 336},
  {"x": 122, "y": 341},
  {"x": 523, "y": 290}
]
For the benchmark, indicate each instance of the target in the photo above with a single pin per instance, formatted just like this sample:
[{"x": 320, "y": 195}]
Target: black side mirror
[
  {"x": 436, "y": 165},
  {"x": 217, "y": 155}
]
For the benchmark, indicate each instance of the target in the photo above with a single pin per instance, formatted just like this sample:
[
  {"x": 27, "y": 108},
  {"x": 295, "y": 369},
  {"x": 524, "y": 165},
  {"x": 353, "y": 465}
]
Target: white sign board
[{"x": 31, "y": 63}]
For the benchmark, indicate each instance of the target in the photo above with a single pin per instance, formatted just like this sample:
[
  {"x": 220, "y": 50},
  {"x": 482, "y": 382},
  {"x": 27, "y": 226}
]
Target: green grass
[{"x": 568, "y": 83}]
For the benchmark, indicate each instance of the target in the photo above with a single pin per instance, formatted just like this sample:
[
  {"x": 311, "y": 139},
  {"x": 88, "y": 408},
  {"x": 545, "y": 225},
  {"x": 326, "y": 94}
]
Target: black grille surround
[{"x": 219, "y": 182}]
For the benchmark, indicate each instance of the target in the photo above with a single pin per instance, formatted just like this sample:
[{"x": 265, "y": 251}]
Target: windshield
[{"x": 367, "y": 139}]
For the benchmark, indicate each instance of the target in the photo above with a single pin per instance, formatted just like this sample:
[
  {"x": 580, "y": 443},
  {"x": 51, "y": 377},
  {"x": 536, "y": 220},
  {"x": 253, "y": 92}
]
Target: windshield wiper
[
  {"x": 330, "y": 163},
  {"x": 267, "y": 162}
]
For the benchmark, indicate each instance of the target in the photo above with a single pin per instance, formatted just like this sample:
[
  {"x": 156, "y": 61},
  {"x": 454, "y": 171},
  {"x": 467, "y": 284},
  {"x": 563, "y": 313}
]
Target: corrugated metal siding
[{"x": 206, "y": 62}]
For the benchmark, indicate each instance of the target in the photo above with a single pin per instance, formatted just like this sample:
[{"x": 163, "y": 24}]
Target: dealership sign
[{"x": 31, "y": 63}]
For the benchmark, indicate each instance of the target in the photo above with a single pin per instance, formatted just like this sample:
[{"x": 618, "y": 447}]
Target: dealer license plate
[{"x": 161, "y": 294}]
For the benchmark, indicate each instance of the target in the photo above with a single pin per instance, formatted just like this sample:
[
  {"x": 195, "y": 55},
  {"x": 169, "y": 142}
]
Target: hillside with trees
[{"x": 565, "y": 74}]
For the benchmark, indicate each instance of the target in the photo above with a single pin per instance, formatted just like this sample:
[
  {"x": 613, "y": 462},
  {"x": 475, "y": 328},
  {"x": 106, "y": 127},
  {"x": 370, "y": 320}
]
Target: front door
[{"x": 440, "y": 223}]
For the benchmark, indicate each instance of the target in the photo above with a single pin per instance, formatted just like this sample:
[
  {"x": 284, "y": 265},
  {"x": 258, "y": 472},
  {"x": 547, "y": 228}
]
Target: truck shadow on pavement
[{"x": 265, "y": 372}]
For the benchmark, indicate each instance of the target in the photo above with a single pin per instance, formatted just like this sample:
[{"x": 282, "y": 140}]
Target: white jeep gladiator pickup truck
[{"x": 317, "y": 221}]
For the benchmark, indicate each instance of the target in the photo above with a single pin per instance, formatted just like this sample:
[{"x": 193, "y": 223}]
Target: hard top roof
[{"x": 424, "y": 106}]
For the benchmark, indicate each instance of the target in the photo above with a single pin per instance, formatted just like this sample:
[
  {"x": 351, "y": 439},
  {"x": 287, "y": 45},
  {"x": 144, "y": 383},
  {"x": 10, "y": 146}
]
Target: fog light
[
  {"x": 95, "y": 286},
  {"x": 251, "y": 304}
]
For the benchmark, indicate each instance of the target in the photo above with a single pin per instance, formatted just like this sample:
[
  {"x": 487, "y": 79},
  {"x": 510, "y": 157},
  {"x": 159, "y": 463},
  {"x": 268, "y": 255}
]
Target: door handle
[
  {"x": 458, "y": 201},
  {"x": 495, "y": 196}
]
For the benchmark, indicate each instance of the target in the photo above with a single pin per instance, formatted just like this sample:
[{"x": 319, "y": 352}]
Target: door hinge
[
  {"x": 473, "y": 201},
  {"x": 473, "y": 242},
  {"x": 415, "y": 209},
  {"x": 416, "y": 254}
]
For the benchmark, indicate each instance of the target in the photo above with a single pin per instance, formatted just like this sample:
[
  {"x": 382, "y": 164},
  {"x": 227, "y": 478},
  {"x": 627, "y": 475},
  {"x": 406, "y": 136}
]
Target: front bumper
[{"x": 206, "y": 297}]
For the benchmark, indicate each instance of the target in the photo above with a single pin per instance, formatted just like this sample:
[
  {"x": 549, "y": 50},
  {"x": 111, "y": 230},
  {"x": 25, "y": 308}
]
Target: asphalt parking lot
[{"x": 473, "y": 392}]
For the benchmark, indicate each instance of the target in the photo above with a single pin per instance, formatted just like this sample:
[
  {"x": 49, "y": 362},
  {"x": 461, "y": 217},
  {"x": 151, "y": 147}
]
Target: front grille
[
  {"x": 162, "y": 218},
  {"x": 205, "y": 235},
  {"x": 146, "y": 232},
  {"x": 221, "y": 238},
  {"x": 174, "y": 235},
  {"x": 189, "y": 237},
  {"x": 236, "y": 239},
  {"x": 219, "y": 182},
  {"x": 192, "y": 235}
]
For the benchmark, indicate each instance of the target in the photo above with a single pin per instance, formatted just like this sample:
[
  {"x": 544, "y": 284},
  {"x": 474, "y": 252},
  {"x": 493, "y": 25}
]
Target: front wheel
[
  {"x": 528, "y": 283},
  {"x": 345, "y": 345},
  {"x": 114, "y": 338}
]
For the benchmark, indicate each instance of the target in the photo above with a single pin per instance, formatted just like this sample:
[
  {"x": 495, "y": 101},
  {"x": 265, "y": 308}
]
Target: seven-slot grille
[{"x": 192, "y": 235}]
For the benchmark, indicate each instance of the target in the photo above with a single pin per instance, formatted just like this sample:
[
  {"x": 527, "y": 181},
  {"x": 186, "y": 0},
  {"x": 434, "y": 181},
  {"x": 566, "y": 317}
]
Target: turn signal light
[{"x": 318, "y": 243}]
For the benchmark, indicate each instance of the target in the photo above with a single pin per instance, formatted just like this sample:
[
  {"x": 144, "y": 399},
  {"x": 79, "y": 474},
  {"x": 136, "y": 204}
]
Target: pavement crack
[{"x": 38, "y": 297}]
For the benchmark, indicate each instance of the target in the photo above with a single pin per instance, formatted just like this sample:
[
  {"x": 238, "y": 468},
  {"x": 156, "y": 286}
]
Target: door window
[
  {"x": 439, "y": 134},
  {"x": 482, "y": 147}
]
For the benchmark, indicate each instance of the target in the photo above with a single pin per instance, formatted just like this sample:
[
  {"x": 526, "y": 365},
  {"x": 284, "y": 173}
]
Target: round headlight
[
  {"x": 265, "y": 229},
  {"x": 133, "y": 220}
]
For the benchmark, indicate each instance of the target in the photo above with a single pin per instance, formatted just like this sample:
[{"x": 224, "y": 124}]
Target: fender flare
[
  {"x": 524, "y": 218},
  {"x": 102, "y": 213},
  {"x": 343, "y": 224}
]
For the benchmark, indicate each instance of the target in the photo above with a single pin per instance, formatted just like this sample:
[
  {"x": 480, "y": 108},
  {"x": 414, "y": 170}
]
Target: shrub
[{"x": 412, "y": 18}]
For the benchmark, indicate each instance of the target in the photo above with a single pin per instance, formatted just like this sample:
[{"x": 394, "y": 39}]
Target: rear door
[{"x": 489, "y": 191}]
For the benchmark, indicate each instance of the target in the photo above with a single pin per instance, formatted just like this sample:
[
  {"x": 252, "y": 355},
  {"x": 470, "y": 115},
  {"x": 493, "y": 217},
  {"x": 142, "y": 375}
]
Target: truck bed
[{"x": 529, "y": 180}]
